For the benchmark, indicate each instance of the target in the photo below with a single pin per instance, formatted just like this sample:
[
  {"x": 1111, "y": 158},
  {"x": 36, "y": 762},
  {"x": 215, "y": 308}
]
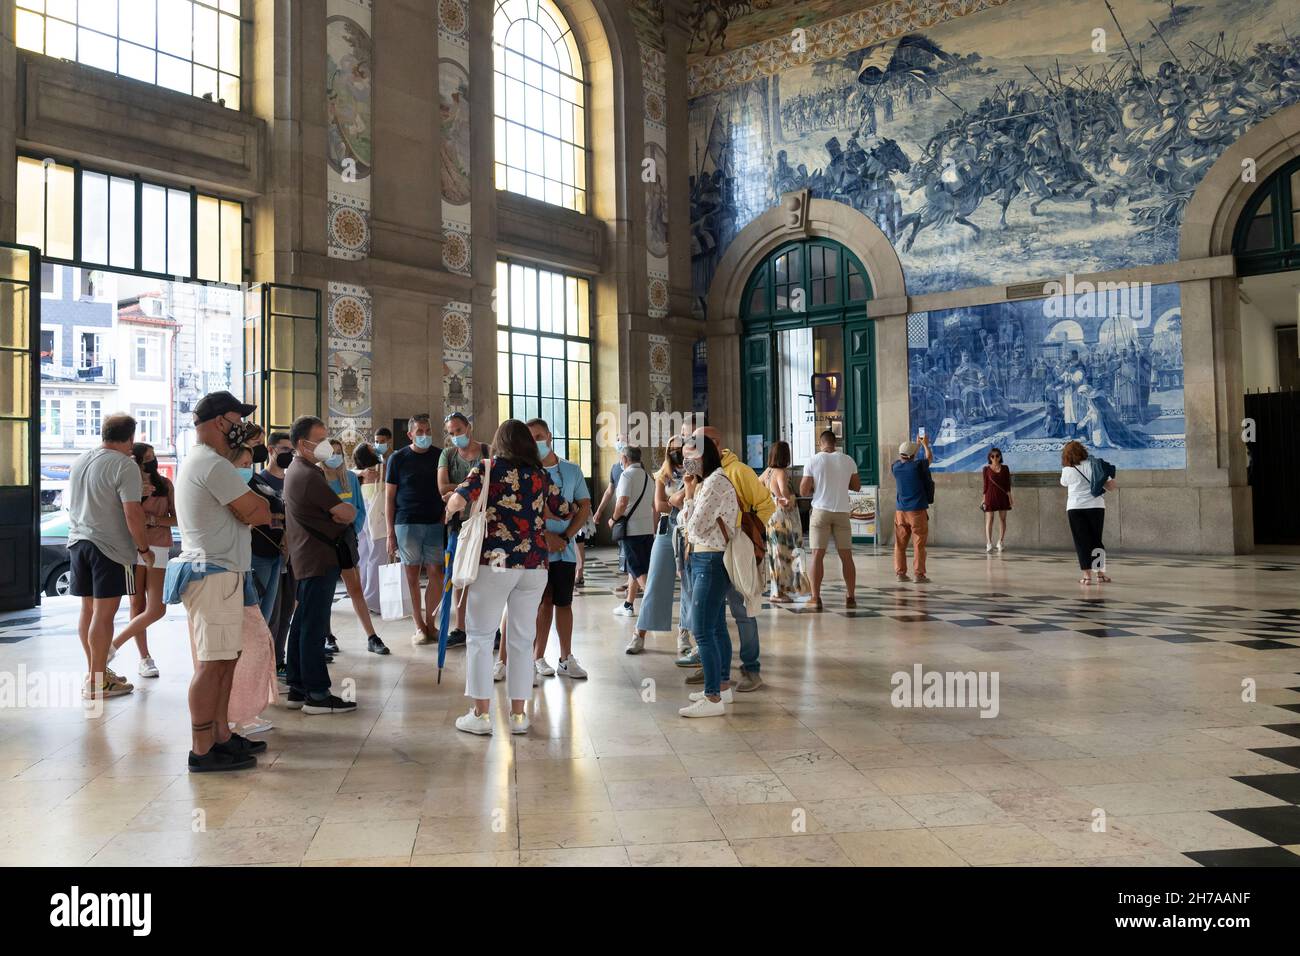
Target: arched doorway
[
  {"x": 808, "y": 354},
  {"x": 1266, "y": 244}
]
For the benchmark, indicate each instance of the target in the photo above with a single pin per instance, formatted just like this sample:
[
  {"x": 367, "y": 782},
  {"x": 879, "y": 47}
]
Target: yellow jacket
[{"x": 753, "y": 496}]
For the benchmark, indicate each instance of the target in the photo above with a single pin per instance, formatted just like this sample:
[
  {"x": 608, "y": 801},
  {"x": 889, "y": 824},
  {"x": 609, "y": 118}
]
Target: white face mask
[{"x": 323, "y": 451}]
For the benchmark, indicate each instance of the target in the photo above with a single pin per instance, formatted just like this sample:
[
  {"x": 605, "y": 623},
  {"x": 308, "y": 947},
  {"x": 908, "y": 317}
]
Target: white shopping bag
[{"x": 394, "y": 592}]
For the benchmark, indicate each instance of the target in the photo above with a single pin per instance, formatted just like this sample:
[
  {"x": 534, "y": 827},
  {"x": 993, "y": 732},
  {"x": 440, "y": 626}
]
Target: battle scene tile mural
[{"x": 1009, "y": 144}]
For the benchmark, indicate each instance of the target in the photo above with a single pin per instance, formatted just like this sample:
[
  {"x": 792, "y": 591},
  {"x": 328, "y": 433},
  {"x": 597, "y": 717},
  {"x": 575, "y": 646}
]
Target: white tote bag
[
  {"x": 469, "y": 541},
  {"x": 394, "y": 592}
]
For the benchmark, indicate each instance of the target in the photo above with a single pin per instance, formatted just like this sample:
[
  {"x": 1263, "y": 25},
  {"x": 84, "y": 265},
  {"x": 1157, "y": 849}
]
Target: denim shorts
[{"x": 420, "y": 544}]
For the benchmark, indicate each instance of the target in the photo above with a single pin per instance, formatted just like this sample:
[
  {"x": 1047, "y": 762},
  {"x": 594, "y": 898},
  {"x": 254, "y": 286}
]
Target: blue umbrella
[{"x": 444, "y": 624}]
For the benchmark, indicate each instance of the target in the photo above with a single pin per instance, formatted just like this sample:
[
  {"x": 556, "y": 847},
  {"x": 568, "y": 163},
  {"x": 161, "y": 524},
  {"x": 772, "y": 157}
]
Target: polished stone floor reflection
[{"x": 1154, "y": 721}]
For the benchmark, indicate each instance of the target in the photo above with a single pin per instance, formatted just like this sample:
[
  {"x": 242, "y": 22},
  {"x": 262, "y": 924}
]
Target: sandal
[
  {"x": 1102, "y": 579},
  {"x": 1087, "y": 581},
  {"x": 850, "y": 602},
  {"x": 779, "y": 599}
]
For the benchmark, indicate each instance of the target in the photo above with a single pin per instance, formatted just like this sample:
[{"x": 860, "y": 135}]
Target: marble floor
[{"x": 1153, "y": 721}]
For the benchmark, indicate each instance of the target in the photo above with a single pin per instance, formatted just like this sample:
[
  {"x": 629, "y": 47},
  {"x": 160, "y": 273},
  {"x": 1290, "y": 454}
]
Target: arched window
[
  {"x": 1268, "y": 233},
  {"x": 541, "y": 126}
]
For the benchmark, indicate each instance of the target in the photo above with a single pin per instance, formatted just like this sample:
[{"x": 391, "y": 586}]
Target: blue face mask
[
  {"x": 423, "y": 441},
  {"x": 620, "y": 447},
  {"x": 543, "y": 450},
  {"x": 334, "y": 461},
  {"x": 381, "y": 447},
  {"x": 245, "y": 473},
  {"x": 460, "y": 441}
]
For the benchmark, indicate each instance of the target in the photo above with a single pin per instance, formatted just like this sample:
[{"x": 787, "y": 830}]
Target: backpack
[
  {"x": 1102, "y": 472},
  {"x": 928, "y": 480}
]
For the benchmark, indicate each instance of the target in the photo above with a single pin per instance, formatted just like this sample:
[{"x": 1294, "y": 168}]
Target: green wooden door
[
  {"x": 860, "y": 439},
  {"x": 758, "y": 390}
]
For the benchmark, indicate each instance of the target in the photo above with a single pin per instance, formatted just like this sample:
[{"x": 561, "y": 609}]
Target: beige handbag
[{"x": 469, "y": 541}]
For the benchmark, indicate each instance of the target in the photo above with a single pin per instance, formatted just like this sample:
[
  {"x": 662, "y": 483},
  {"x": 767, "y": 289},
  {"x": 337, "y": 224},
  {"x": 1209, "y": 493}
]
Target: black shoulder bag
[{"x": 619, "y": 531}]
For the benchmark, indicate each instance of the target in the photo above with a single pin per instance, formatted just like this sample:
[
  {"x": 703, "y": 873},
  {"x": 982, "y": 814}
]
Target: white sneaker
[
  {"x": 683, "y": 642},
  {"x": 148, "y": 668},
  {"x": 569, "y": 667},
  {"x": 636, "y": 645},
  {"x": 519, "y": 723},
  {"x": 542, "y": 668},
  {"x": 255, "y": 726},
  {"x": 703, "y": 708},
  {"x": 499, "y": 670},
  {"x": 728, "y": 696},
  {"x": 624, "y": 610},
  {"x": 420, "y": 639},
  {"x": 473, "y": 723},
  {"x": 999, "y": 547},
  {"x": 988, "y": 546}
]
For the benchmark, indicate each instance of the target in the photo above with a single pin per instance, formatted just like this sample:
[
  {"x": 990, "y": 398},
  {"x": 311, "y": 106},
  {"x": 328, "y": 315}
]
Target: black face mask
[
  {"x": 150, "y": 467},
  {"x": 260, "y": 454},
  {"x": 284, "y": 459}
]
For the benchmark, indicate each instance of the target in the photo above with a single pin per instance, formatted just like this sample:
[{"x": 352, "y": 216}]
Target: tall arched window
[{"x": 541, "y": 131}]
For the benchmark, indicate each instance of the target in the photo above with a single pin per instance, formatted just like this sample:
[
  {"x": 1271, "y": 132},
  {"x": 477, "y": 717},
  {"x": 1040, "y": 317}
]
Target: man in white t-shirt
[
  {"x": 829, "y": 477},
  {"x": 635, "y": 501},
  {"x": 215, "y": 509}
]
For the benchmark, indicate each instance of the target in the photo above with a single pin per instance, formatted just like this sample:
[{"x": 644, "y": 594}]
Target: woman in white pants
[
  {"x": 512, "y": 570},
  {"x": 372, "y": 542}
]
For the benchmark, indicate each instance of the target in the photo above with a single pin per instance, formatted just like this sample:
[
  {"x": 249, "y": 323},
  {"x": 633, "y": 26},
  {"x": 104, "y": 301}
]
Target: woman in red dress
[{"x": 997, "y": 497}]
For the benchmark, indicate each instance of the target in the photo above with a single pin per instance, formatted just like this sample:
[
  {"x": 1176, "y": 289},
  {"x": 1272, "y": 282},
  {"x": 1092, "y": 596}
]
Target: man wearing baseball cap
[
  {"x": 912, "y": 504},
  {"x": 215, "y": 509}
]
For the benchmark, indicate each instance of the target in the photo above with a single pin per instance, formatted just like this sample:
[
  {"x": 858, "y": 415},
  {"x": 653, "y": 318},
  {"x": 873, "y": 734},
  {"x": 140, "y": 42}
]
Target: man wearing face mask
[
  {"x": 454, "y": 466},
  {"x": 557, "y": 599},
  {"x": 383, "y": 443},
  {"x": 268, "y": 539},
  {"x": 271, "y": 478},
  {"x": 315, "y": 518},
  {"x": 215, "y": 510},
  {"x": 415, "y": 511}
]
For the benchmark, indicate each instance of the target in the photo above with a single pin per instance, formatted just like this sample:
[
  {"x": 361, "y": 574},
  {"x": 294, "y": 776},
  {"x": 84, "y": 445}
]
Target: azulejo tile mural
[
  {"x": 348, "y": 127},
  {"x": 1103, "y": 364},
  {"x": 1008, "y": 144}
]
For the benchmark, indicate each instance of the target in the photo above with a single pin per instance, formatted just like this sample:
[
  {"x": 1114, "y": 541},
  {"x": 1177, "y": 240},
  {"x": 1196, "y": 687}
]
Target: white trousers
[{"x": 517, "y": 591}]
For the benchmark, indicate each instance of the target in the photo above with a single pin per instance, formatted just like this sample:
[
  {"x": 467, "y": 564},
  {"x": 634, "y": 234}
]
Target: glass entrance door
[
  {"x": 20, "y": 322},
  {"x": 807, "y": 355}
]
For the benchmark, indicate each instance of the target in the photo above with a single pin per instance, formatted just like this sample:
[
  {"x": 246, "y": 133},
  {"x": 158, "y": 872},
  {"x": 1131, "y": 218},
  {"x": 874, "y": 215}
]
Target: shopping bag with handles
[{"x": 394, "y": 592}]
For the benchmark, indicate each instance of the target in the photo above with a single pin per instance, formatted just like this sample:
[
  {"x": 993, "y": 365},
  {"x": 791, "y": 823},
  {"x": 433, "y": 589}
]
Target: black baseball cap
[{"x": 219, "y": 403}]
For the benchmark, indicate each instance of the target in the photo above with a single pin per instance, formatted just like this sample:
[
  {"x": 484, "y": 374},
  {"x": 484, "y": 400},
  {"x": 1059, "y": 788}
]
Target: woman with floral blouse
[
  {"x": 512, "y": 574},
  {"x": 710, "y": 515}
]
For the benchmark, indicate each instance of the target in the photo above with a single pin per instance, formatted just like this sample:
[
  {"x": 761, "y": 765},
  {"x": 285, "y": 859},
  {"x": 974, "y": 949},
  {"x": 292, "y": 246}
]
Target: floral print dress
[
  {"x": 784, "y": 539},
  {"x": 518, "y": 500}
]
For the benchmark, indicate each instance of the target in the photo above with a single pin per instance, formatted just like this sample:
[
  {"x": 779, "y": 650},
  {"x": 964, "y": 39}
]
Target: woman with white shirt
[
  {"x": 710, "y": 515},
  {"x": 1086, "y": 511}
]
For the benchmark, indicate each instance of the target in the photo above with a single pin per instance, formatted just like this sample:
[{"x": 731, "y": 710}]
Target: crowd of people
[{"x": 264, "y": 549}]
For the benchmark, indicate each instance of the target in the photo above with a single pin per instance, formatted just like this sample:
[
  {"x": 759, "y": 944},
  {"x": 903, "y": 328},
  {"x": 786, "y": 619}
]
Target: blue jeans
[
  {"x": 684, "y": 572},
  {"x": 747, "y": 628},
  {"x": 304, "y": 657},
  {"x": 709, "y": 586},
  {"x": 266, "y": 576}
]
